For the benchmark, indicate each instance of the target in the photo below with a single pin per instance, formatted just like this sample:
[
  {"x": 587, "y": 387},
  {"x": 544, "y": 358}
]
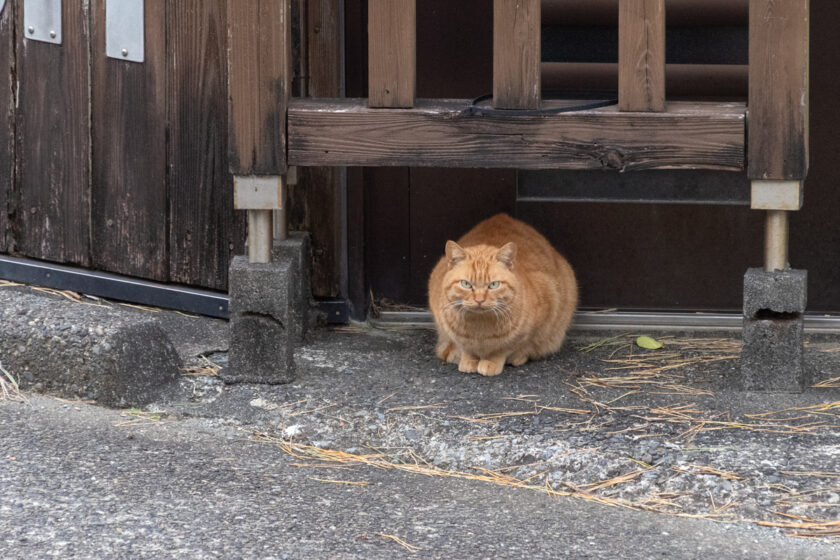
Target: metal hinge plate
[
  {"x": 125, "y": 30},
  {"x": 42, "y": 20}
]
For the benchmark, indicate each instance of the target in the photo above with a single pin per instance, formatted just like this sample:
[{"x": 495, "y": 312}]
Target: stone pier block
[
  {"x": 297, "y": 248},
  {"x": 772, "y": 358},
  {"x": 262, "y": 323},
  {"x": 780, "y": 291}
]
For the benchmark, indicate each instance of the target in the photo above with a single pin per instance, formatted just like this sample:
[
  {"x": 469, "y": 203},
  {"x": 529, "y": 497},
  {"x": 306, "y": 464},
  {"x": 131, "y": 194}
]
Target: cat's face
[{"x": 480, "y": 279}]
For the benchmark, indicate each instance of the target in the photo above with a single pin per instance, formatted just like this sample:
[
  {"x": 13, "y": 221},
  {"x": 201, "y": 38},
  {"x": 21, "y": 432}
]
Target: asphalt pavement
[{"x": 81, "y": 481}]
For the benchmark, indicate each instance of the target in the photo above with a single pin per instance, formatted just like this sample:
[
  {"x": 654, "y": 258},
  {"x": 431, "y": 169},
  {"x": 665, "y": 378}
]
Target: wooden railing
[{"x": 643, "y": 131}]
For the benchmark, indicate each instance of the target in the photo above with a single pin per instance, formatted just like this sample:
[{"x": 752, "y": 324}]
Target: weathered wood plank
[
  {"x": 392, "y": 52},
  {"x": 129, "y": 190},
  {"x": 205, "y": 232},
  {"x": 516, "y": 54},
  {"x": 260, "y": 70},
  {"x": 641, "y": 55},
  {"x": 53, "y": 141},
  {"x": 7, "y": 128},
  {"x": 441, "y": 133},
  {"x": 318, "y": 195},
  {"x": 778, "y": 101}
]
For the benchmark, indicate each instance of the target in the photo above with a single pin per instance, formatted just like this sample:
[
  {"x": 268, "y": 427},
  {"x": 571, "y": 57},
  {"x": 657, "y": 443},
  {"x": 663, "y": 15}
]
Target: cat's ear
[
  {"x": 507, "y": 254},
  {"x": 455, "y": 253}
]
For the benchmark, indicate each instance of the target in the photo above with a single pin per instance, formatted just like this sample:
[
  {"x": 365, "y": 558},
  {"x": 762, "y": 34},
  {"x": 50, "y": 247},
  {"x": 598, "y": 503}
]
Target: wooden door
[
  {"x": 115, "y": 165},
  {"x": 627, "y": 256}
]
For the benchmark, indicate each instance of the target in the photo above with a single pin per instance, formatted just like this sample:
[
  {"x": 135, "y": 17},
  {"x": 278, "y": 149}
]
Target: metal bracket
[
  {"x": 42, "y": 20},
  {"x": 125, "y": 30}
]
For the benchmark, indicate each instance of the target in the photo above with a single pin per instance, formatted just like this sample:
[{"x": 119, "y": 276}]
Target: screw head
[
  {"x": 31, "y": 30},
  {"x": 125, "y": 52},
  {"x": 52, "y": 34}
]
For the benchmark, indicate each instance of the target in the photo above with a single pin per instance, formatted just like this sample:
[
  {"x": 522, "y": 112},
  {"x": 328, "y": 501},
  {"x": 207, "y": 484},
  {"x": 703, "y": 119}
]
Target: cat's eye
[
  {"x": 495, "y": 284},
  {"x": 466, "y": 285}
]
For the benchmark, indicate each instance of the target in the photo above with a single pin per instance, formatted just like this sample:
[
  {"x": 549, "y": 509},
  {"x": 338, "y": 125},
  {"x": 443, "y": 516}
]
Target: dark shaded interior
[{"x": 628, "y": 256}]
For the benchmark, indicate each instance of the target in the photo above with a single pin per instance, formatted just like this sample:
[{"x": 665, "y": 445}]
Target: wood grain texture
[
  {"x": 778, "y": 101},
  {"x": 438, "y": 133},
  {"x": 129, "y": 191},
  {"x": 260, "y": 69},
  {"x": 318, "y": 195},
  {"x": 388, "y": 232},
  {"x": 53, "y": 142},
  {"x": 392, "y": 52},
  {"x": 205, "y": 232},
  {"x": 641, "y": 55},
  {"x": 7, "y": 129},
  {"x": 516, "y": 54}
]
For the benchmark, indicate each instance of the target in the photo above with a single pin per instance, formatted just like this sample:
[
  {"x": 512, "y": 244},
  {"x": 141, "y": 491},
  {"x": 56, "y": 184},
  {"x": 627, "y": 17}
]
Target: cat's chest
[{"x": 482, "y": 327}]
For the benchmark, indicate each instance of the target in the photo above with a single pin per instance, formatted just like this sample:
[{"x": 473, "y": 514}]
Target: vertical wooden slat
[
  {"x": 641, "y": 55},
  {"x": 317, "y": 196},
  {"x": 778, "y": 100},
  {"x": 7, "y": 128},
  {"x": 205, "y": 232},
  {"x": 53, "y": 141},
  {"x": 516, "y": 54},
  {"x": 392, "y": 48},
  {"x": 259, "y": 67},
  {"x": 128, "y": 191}
]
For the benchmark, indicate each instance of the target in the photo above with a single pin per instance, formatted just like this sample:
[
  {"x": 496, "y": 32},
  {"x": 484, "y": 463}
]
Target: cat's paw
[
  {"x": 448, "y": 353},
  {"x": 489, "y": 367},
  {"x": 518, "y": 359},
  {"x": 468, "y": 365}
]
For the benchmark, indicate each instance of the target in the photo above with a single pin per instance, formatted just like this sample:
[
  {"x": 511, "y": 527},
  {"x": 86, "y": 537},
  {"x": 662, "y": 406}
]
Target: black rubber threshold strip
[{"x": 113, "y": 286}]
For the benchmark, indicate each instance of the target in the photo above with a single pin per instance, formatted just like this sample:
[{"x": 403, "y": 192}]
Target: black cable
[{"x": 474, "y": 108}]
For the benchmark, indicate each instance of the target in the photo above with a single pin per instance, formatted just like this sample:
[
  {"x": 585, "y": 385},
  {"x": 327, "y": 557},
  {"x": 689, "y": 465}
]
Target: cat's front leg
[
  {"x": 491, "y": 366},
  {"x": 468, "y": 363}
]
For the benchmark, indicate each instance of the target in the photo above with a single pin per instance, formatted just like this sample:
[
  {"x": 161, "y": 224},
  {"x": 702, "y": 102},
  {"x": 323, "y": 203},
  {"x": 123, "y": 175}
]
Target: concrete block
[
  {"x": 772, "y": 357},
  {"x": 780, "y": 291},
  {"x": 265, "y": 320},
  {"x": 113, "y": 356},
  {"x": 297, "y": 250},
  {"x": 261, "y": 351},
  {"x": 262, "y": 288}
]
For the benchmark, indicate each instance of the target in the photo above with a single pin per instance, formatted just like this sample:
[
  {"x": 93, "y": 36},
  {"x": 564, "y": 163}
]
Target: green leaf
[{"x": 649, "y": 343}]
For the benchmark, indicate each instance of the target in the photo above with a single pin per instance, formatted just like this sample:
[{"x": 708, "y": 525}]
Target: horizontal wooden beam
[{"x": 444, "y": 133}]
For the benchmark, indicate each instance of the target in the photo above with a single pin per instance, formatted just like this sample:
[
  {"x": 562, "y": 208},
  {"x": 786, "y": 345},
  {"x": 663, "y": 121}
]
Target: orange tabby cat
[{"x": 502, "y": 294}]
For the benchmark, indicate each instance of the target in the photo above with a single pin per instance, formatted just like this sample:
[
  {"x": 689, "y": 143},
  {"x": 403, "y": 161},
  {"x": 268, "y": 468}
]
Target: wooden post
[
  {"x": 259, "y": 70},
  {"x": 778, "y": 116},
  {"x": 778, "y": 100},
  {"x": 776, "y": 241},
  {"x": 516, "y": 54},
  {"x": 641, "y": 55},
  {"x": 392, "y": 52}
]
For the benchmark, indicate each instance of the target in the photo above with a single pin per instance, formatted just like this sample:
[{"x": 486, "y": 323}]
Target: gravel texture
[
  {"x": 678, "y": 441},
  {"x": 604, "y": 420}
]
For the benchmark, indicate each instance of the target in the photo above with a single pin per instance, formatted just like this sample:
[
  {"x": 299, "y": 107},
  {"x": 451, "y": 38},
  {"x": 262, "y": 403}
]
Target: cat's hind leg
[
  {"x": 446, "y": 350},
  {"x": 518, "y": 358}
]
